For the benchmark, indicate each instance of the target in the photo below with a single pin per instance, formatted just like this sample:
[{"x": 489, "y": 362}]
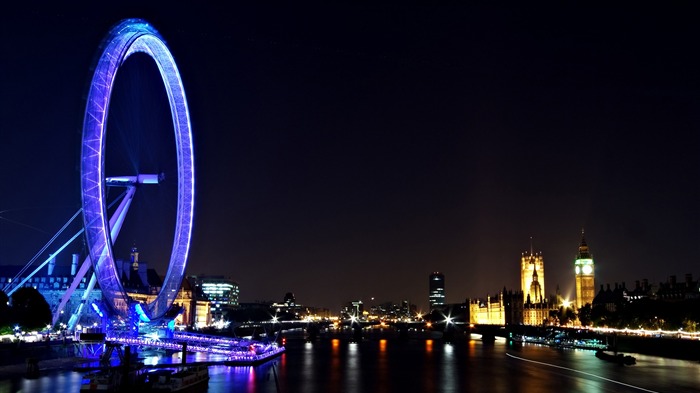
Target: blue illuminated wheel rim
[{"x": 126, "y": 38}]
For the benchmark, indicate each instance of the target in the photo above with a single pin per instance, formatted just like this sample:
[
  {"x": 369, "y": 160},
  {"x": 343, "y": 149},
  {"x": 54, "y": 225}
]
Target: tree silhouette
[
  {"x": 29, "y": 309},
  {"x": 5, "y": 320},
  {"x": 584, "y": 314}
]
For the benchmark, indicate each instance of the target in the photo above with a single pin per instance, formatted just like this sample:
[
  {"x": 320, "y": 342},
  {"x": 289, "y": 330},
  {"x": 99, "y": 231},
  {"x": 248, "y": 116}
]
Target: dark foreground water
[{"x": 421, "y": 366}]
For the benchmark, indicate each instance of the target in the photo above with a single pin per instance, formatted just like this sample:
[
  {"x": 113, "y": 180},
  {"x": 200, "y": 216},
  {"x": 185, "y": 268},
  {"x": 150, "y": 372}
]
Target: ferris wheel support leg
[
  {"x": 75, "y": 318},
  {"x": 115, "y": 224},
  {"x": 67, "y": 295},
  {"x": 117, "y": 219}
]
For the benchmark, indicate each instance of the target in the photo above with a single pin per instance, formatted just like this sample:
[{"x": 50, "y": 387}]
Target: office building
[
  {"x": 436, "y": 296},
  {"x": 220, "y": 291}
]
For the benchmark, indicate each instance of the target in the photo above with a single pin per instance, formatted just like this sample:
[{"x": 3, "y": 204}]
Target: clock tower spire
[{"x": 585, "y": 271}]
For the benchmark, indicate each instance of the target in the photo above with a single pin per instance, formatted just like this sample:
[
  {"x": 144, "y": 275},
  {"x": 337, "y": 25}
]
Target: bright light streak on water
[
  {"x": 308, "y": 364},
  {"x": 382, "y": 365},
  {"x": 448, "y": 369},
  {"x": 581, "y": 372},
  {"x": 335, "y": 373},
  {"x": 353, "y": 369}
]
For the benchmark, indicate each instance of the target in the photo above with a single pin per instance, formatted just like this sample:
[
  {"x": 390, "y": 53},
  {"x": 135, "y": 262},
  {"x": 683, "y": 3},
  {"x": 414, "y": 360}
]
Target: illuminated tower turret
[
  {"x": 585, "y": 271},
  {"x": 531, "y": 269},
  {"x": 134, "y": 258},
  {"x": 535, "y": 288}
]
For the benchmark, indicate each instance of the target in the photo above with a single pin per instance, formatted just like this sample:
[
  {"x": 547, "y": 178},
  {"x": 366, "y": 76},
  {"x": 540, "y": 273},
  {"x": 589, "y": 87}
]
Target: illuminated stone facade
[
  {"x": 536, "y": 314},
  {"x": 140, "y": 282},
  {"x": 532, "y": 276},
  {"x": 536, "y": 306},
  {"x": 503, "y": 309},
  {"x": 52, "y": 283},
  {"x": 487, "y": 312}
]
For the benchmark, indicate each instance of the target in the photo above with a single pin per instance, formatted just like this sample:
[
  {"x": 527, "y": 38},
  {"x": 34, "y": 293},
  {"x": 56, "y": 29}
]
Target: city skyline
[{"x": 345, "y": 152}]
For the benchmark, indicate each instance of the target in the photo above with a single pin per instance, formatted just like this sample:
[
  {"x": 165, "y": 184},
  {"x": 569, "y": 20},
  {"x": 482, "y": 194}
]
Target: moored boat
[
  {"x": 112, "y": 379},
  {"x": 618, "y": 358},
  {"x": 102, "y": 381},
  {"x": 190, "y": 378}
]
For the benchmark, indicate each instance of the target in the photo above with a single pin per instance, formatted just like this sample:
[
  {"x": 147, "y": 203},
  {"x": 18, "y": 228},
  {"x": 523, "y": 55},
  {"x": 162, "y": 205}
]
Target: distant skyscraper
[
  {"x": 221, "y": 291},
  {"x": 585, "y": 271},
  {"x": 437, "y": 290},
  {"x": 532, "y": 275}
]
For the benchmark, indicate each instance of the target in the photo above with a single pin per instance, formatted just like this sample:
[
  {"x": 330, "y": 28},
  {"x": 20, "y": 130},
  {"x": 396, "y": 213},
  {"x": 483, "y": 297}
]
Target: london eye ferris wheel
[{"x": 125, "y": 39}]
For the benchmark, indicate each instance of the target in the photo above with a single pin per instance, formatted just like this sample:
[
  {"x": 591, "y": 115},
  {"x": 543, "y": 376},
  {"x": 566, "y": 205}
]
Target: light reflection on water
[
  {"x": 308, "y": 365},
  {"x": 449, "y": 376},
  {"x": 417, "y": 366},
  {"x": 353, "y": 369},
  {"x": 382, "y": 366}
]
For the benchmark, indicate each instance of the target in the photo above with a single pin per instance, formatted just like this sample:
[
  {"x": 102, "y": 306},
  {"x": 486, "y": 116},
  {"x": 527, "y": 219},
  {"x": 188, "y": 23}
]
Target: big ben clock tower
[{"x": 585, "y": 271}]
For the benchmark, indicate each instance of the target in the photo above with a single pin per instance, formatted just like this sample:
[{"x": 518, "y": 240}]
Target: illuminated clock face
[
  {"x": 587, "y": 269},
  {"x": 578, "y": 270}
]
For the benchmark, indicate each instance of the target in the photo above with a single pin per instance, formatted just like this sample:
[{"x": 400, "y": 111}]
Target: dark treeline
[
  {"x": 650, "y": 314},
  {"x": 26, "y": 310}
]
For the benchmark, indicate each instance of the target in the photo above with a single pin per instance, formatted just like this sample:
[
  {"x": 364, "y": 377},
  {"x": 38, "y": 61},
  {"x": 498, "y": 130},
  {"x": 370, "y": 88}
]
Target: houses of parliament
[{"x": 530, "y": 305}]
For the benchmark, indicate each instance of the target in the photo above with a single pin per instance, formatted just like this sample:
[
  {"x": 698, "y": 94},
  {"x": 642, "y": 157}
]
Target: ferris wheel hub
[{"x": 125, "y": 181}]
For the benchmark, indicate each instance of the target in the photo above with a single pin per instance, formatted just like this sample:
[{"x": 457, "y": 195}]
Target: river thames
[{"x": 392, "y": 365}]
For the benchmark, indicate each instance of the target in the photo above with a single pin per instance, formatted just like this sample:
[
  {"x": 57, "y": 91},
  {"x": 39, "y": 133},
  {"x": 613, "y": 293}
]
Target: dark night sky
[{"x": 347, "y": 151}]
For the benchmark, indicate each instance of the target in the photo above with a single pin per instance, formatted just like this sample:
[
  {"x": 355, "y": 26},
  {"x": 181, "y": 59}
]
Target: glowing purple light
[
  {"x": 234, "y": 350},
  {"x": 126, "y": 38}
]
